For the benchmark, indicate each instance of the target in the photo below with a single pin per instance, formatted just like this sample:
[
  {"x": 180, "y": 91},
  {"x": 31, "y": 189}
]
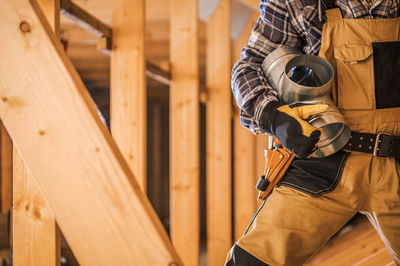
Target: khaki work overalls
[{"x": 292, "y": 225}]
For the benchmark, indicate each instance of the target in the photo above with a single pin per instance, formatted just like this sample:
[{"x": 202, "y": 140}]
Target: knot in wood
[{"x": 25, "y": 27}]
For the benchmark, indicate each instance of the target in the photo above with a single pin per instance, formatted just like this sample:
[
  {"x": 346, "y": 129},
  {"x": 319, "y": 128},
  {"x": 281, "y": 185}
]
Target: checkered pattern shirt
[{"x": 292, "y": 23}]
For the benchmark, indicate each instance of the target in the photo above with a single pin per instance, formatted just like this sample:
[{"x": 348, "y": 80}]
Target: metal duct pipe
[{"x": 277, "y": 66}]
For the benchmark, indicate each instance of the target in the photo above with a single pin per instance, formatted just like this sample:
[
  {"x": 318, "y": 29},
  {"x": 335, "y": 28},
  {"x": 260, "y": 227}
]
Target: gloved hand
[{"x": 287, "y": 123}]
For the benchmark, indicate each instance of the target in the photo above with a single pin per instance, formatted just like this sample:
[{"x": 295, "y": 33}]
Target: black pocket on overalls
[
  {"x": 315, "y": 176},
  {"x": 387, "y": 77}
]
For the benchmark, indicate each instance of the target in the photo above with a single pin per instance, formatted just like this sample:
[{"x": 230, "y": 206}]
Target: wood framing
[
  {"x": 36, "y": 238},
  {"x": 51, "y": 9},
  {"x": 85, "y": 19},
  {"x": 218, "y": 135},
  {"x": 128, "y": 84},
  {"x": 245, "y": 199},
  {"x": 156, "y": 73},
  {"x": 245, "y": 174},
  {"x": 184, "y": 126},
  {"x": 6, "y": 170},
  {"x": 99, "y": 206}
]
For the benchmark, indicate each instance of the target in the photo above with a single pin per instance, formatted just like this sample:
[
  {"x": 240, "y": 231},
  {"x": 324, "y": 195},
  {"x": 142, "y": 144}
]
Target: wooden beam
[
  {"x": 245, "y": 200},
  {"x": 245, "y": 157},
  {"x": 85, "y": 19},
  {"x": 184, "y": 126},
  {"x": 76, "y": 163},
  {"x": 156, "y": 73},
  {"x": 218, "y": 135},
  {"x": 128, "y": 84},
  {"x": 37, "y": 239},
  {"x": 6, "y": 170}
]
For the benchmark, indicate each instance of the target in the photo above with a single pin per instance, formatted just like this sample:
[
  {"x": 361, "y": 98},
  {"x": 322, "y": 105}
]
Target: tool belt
[{"x": 381, "y": 145}]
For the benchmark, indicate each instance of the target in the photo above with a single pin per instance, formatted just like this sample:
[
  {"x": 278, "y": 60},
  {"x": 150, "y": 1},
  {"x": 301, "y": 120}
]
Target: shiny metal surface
[{"x": 335, "y": 131}]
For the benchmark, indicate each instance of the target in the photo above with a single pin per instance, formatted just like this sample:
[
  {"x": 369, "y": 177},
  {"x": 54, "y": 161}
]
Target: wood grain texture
[
  {"x": 245, "y": 174},
  {"x": 84, "y": 19},
  {"x": 245, "y": 201},
  {"x": 360, "y": 245},
  {"x": 128, "y": 84},
  {"x": 219, "y": 134},
  {"x": 37, "y": 240},
  {"x": 6, "y": 170},
  {"x": 99, "y": 206},
  {"x": 51, "y": 9},
  {"x": 184, "y": 129}
]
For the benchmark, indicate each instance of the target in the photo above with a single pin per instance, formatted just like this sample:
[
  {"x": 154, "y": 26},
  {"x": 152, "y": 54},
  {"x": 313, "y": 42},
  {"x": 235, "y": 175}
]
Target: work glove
[{"x": 287, "y": 123}]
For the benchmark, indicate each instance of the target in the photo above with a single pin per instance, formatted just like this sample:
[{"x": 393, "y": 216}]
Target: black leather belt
[{"x": 381, "y": 145}]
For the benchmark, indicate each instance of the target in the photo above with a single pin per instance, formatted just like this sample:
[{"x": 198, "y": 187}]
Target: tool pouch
[{"x": 278, "y": 160}]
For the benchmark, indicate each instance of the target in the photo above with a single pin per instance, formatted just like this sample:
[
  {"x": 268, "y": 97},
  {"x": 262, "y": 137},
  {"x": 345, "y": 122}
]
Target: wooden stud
[
  {"x": 99, "y": 206},
  {"x": 128, "y": 84},
  {"x": 36, "y": 238},
  {"x": 218, "y": 136},
  {"x": 245, "y": 159},
  {"x": 245, "y": 200},
  {"x": 184, "y": 126}
]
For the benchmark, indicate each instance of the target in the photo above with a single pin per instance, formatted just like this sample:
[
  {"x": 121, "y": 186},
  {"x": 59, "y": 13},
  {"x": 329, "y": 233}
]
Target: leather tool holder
[{"x": 278, "y": 160}]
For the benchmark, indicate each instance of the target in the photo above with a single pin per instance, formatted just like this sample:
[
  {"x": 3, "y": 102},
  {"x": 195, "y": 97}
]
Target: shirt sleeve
[{"x": 251, "y": 89}]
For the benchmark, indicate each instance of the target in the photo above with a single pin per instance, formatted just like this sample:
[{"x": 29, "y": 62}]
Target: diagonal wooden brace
[{"x": 53, "y": 121}]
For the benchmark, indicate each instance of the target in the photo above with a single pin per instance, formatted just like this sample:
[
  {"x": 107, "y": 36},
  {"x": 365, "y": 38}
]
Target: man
[{"x": 361, "y": 39}]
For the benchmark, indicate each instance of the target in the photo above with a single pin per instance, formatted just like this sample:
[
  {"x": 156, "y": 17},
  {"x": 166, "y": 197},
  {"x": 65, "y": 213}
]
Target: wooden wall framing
[
  {"x": 128, "y": 84},
  {"x": 184, "y": 128},
  {"x": 218, "y": 136},
  {"x": 76, "y": 163},
  {"x": 247, "y": 155}
]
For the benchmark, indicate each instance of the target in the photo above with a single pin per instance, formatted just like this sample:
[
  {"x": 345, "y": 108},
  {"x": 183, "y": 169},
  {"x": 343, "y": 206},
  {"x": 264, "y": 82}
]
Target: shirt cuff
[{"x": 265, "y": 113}]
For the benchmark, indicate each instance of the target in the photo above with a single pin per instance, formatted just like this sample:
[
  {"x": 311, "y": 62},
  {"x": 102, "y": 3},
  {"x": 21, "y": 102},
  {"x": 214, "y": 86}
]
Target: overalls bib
[{"x": 298, "y": 218}]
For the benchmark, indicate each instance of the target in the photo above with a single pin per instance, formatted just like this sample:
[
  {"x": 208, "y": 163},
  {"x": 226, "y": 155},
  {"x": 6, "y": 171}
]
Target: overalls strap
[{"x": 333, "y": 14}]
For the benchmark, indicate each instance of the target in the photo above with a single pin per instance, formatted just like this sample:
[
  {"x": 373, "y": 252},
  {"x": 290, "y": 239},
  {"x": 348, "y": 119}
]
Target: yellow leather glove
[
  {"x": 302, "y": 112},
  {"x": 287, "y": 123}
]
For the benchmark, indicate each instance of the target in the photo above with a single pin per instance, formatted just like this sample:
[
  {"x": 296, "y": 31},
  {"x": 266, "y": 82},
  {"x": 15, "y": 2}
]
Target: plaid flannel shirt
[{"x": 293, "y": 23}]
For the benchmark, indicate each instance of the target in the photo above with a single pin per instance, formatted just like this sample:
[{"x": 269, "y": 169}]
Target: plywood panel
[
  {"x": 184, "y": 126},
  {"x": 76, "y": 163}
]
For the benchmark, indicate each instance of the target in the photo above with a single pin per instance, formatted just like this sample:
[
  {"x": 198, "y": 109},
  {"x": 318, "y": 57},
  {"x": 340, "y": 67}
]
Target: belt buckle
[{"x": 377, "y": 141}]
